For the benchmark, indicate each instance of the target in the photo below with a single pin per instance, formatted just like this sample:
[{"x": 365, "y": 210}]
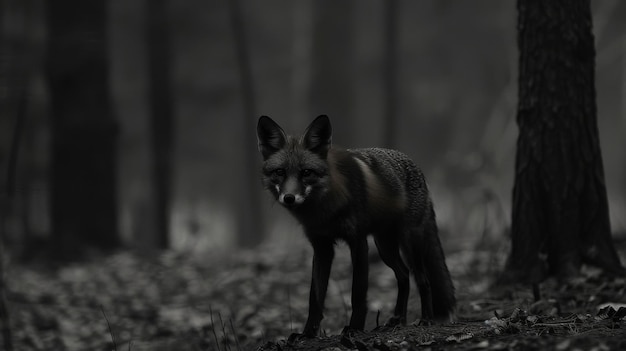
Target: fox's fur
[{"x": 348, "y": 194}]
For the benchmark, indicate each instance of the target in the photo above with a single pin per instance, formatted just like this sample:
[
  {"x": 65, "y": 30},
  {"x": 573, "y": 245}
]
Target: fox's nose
[{"x": 289, "y": 199}]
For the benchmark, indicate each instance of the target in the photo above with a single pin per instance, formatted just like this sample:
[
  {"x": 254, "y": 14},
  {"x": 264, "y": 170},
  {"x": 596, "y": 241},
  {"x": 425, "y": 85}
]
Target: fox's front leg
[
  {"x": 323, "y": 254},
  {"x": 358, "y": 251}
]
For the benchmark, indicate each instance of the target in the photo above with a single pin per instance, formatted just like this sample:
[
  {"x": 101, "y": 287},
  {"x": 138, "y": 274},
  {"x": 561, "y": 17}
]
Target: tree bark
[
  {"x": 7, "y": 198},
  {"x": 161, "y": 119},
  {"x": 560, "y": 216},
  {"x": 251, "y": 229},
  {"x": 332, "y": 83},
  {"x": 391, "y": 72},
  {"x": 84, "y": 131}
]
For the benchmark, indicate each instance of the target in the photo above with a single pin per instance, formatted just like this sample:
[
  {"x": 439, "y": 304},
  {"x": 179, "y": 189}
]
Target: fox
[{"x": 346, "y": 195}]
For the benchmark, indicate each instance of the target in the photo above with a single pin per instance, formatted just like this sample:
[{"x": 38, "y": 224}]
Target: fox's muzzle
[
  {"x": 290, "y": 194},
  {"x": 289, "y": 199}
]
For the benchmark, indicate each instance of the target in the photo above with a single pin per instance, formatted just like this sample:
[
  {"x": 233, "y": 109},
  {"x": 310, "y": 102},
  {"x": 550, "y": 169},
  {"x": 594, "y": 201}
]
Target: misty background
[{"x": 455, "y": 100}]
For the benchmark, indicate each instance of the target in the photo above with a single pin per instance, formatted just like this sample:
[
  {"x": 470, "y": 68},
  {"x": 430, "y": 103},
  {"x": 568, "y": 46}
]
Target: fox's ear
[
  {"x": 270, "y": 135},
  {"x": 318, "y": 135}
]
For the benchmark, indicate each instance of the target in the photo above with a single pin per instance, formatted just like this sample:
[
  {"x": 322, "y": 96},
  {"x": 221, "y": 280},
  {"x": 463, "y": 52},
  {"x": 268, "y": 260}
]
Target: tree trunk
[
  {"x": 84, "y": 132},
  {"x": 560, "y": 208},
  {"x": 161, "y": 120},
  {"x": 7, "y": 198},
  {"x": 332, "y": 81},
  {"x": 391, "y": 72},
  {"x": 302, "y": 46},
  {"x": 251, "y": 229}
]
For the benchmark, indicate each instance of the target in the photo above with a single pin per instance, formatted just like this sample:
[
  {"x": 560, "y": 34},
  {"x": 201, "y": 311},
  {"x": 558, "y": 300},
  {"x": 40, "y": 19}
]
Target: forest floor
[{"x": 253, "y": 300}]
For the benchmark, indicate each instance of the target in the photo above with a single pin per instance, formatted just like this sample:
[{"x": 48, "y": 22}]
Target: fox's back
[
  {"x": 392, "y": 166},
  {"x": 398, "y": 177}
]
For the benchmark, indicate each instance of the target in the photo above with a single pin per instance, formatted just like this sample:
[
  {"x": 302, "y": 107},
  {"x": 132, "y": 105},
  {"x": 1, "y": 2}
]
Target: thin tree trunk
[
  {"x": 15, "y": 69},
  {"x": 161, "y": 118},
  {"x": 332, "y": 83},
  {"x": 301, "y": 61},
  {"x": 251, "y": 230},
  {"x": 84, "y": 131},
  {"x": 5, "y": 315},
  {"x": 391, "y": 72},
  {"x": 560, "y": 208},
  {"x": 6, "y": 201}
]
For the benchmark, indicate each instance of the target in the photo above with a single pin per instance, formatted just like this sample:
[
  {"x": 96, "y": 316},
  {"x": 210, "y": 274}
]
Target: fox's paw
[
  {"x": 351, "y": 341},
  {"x": 424, "y": 322},
  {"x": 395, "y": 321},
  {"x": 448, "y": 319},
  {"x": 349, "y": 331},
  {"x": 295, "y": 337}
]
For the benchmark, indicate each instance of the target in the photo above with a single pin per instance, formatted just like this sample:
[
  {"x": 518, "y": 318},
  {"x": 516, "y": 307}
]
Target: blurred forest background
[{"x": 435, "y": 79}]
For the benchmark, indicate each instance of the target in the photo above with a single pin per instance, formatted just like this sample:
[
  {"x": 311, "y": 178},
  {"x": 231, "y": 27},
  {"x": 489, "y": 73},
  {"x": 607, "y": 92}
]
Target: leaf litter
[{"x": 255, "y": 299}]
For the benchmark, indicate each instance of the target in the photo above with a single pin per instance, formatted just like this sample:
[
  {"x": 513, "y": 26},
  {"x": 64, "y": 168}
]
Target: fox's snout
[
  {"x": 291, "y": 193},
  {"x": 289, "y": 199}
]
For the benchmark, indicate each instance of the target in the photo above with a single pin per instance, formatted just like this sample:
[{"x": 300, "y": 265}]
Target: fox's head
[{"x": 295, "y": 169}]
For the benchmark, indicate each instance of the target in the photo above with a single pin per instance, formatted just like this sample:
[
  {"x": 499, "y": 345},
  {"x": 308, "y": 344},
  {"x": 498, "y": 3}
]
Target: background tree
[
  {"x": 7, "y": 198},
  {"x": 391, "y": 72},
  {"x": 332, "y": 90},
  {"x": 249, "y": 205},
  {"x": 83, "y": 162},
  {"x": 161, "y": 120},
  {"x": 560, "y": 208}
]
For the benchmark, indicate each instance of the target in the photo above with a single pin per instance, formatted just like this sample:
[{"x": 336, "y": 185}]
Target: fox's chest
[{"x": 347, "y": 223}]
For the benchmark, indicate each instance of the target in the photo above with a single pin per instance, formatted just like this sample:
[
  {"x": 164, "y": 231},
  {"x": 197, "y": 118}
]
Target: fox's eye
[
  {"x": 279, "y": 172},
  {"x": 306, "y": 172}
]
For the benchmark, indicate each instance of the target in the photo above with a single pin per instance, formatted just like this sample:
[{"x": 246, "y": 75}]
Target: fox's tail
[
  {"x": 428, "y": 264},
  {"x": 444, "y": 302}
]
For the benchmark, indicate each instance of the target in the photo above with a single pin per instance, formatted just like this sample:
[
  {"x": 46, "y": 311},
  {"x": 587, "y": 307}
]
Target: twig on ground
[
  {"x": 217, "y": 343},
  {"x": 224, "y": 335},
  {"x": 109, "y": 325},
  {"x": 234, "y": 334}
]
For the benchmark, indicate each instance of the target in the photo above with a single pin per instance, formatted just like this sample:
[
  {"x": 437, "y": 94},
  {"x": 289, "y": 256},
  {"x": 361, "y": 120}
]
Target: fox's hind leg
[
  {"x": 423, "y": 284},
  {"x": 389, "y": 250},
  {"x": 414, "y": 253}
]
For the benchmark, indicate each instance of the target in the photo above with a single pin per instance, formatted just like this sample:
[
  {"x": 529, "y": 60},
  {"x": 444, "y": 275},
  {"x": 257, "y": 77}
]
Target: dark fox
[{"x": 339, "y": 194}]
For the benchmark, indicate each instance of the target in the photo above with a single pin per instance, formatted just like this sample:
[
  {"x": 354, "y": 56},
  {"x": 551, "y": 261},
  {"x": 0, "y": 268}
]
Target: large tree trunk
[
  {"x": 560, "y": 208},
  {"x": 84, "y": 132}
]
